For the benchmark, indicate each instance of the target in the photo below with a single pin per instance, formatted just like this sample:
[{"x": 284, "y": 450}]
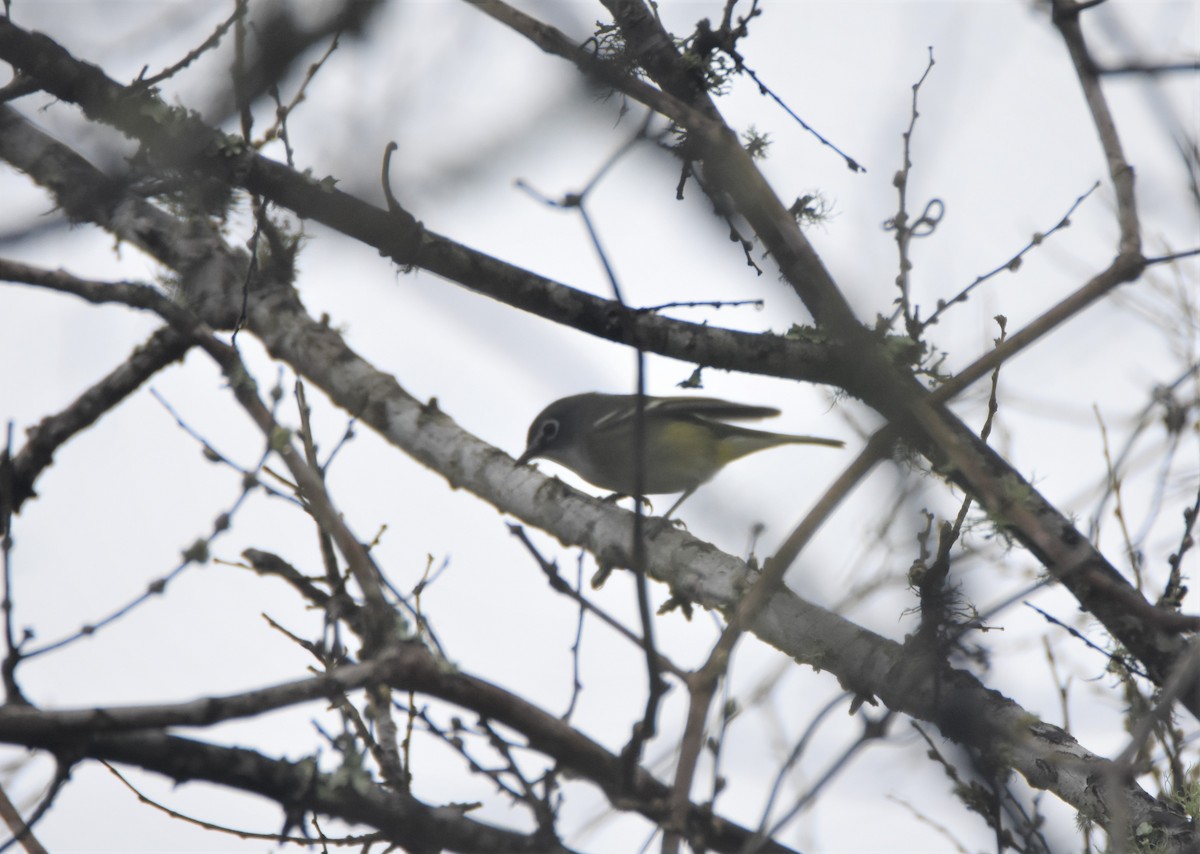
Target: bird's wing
[{"x": 698, "y": 407}]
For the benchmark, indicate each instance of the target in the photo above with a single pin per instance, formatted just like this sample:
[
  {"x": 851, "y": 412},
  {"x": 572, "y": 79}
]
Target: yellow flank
[{"x": 683, "y": 450}]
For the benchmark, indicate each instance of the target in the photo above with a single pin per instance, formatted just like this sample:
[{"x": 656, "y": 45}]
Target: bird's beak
[{"x": 528, "y": 455}]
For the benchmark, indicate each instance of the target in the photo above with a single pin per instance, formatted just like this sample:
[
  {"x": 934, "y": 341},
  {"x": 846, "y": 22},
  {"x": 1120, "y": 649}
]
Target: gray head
[{"x": 555, "y": 432}]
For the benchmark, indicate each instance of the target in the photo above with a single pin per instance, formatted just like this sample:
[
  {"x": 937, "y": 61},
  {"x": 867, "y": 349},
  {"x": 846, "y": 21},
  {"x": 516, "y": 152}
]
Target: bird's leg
[
  {"x": 660, "y": 524},
  {"x": 682, "y": 499}
]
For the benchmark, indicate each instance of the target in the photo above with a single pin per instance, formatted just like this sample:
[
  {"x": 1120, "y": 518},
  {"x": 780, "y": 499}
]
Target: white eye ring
[{"x": 549, "y": 429}]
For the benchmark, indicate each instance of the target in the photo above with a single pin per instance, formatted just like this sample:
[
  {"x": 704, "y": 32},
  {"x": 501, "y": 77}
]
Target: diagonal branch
[
  {"x": 162, "y": 348},
  {"x": 193, "y": 249},
  {"x": 922, "y": 419}
]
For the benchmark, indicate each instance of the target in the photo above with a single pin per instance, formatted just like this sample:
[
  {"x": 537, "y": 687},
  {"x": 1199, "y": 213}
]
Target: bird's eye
[{"x": 549, "y": 429}]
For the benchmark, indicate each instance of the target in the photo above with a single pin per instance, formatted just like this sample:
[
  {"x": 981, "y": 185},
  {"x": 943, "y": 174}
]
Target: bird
[{"x": 686, "y": 440}]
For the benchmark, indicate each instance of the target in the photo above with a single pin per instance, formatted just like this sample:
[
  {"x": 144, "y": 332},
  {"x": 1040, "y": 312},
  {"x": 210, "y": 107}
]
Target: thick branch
[
  {"x": 193, "y": 249},
  {"x": 300, "y": 788},
  {"x": 408, "y": 667}
]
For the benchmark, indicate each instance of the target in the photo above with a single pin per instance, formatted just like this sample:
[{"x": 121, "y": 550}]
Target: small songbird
[{"x": 687, "y": 440}]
